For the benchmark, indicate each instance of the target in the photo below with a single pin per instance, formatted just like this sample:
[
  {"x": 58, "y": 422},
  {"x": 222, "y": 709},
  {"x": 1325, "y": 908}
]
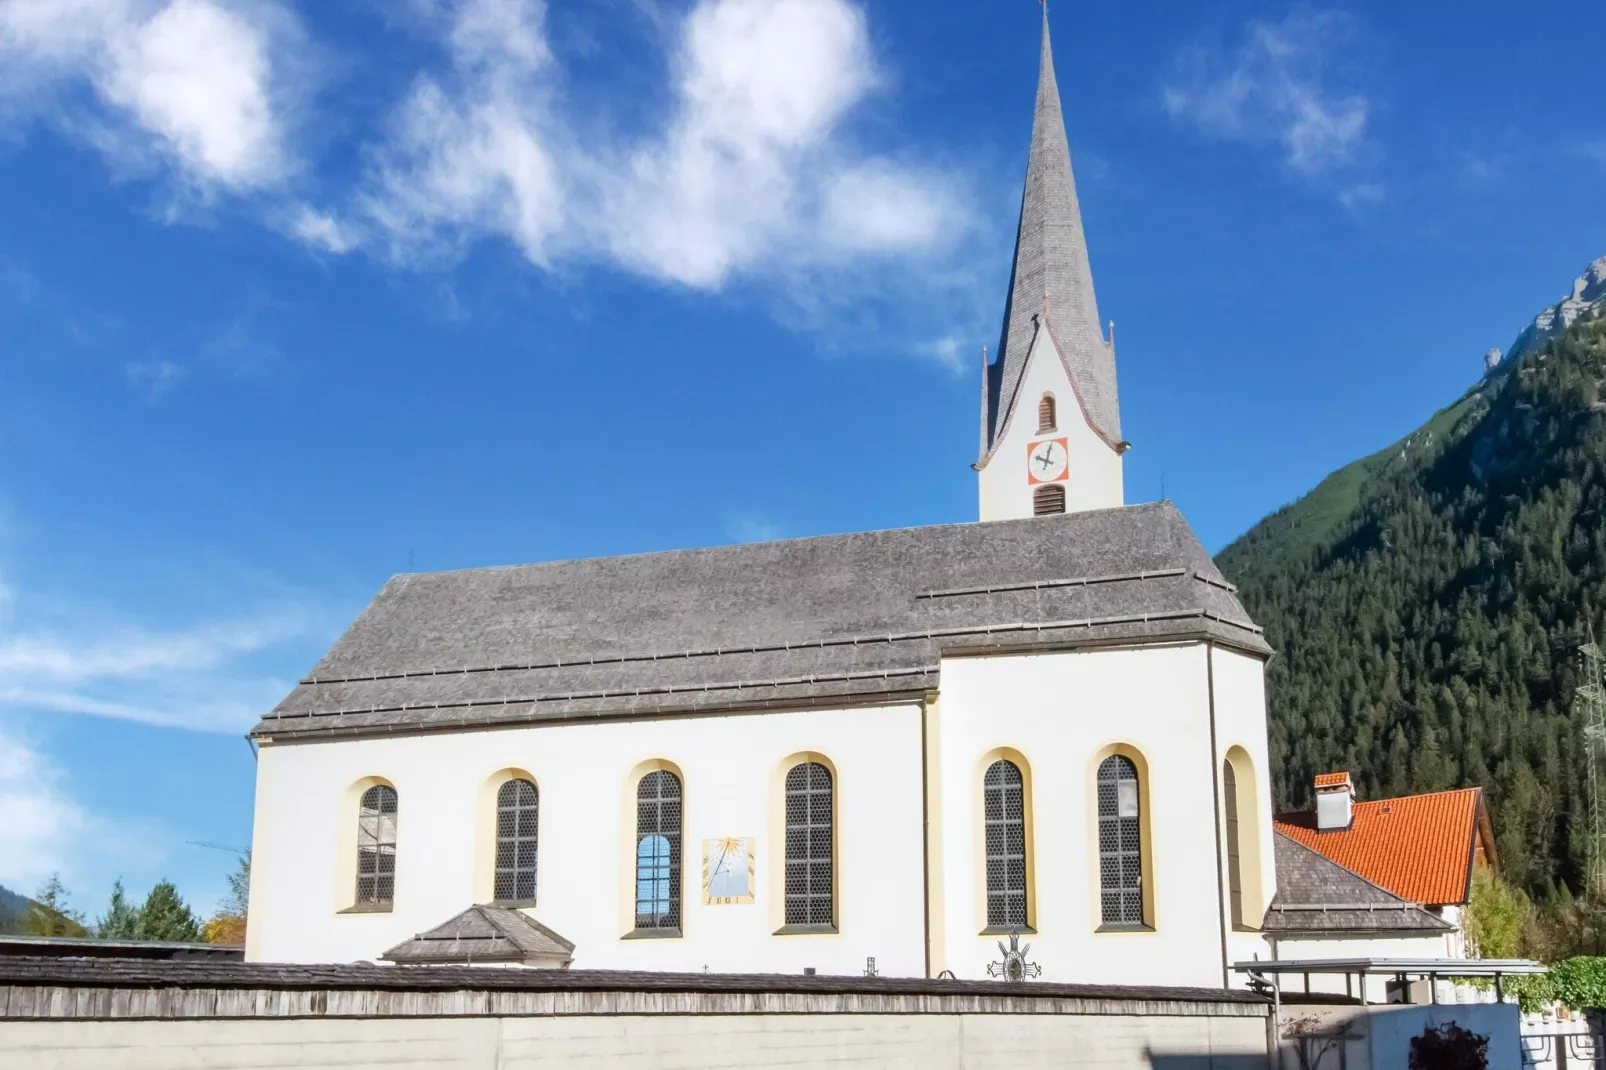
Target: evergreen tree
[
  {"x": 49, "y": 915},
  {"x": 121, "y": 920},
  {"x": 165, "y": 916},
  {"x": 1427, "y": 605}
]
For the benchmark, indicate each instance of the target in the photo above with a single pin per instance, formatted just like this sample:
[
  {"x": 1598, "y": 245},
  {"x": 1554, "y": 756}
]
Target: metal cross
[{"x": 1014, "y": 967}]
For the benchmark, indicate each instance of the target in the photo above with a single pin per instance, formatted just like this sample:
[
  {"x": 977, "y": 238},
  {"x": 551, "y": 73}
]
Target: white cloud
[
  {"x": 207, "y": 87},
  {"x": 1276, "y": 88},
  {"x": 154, "y": 378},
  {"x": 747, "y": 526},
  {"x": 38, "y": 822},
  {"x": 200, "y": 678},
  {"x": 750, "y": 173},
  {"x": 322, "y": 231}
]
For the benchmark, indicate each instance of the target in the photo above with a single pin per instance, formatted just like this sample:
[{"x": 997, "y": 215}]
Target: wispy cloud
[
  {"x": 750, "y": 174},
  {"x": 39, "y": 823},
  {"x": 154, "y": 378},
  {"x": 205, "y": 677},
  {"x": 749, "y": 526},
  {"x": 206, "y": 89},
  {"x": 1281, "y": 86},
  {"x": 1594, "y": 151}
]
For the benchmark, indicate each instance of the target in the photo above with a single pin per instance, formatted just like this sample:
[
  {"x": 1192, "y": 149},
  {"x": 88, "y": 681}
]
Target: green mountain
[
  {"x": 13, "y": 909},
  {"x": 1427, "y": 602}
]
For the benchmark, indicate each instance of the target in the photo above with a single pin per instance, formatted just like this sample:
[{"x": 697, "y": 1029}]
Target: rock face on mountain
[
  {"x": 1427, "y": 602},
  {"x": 1588, "y": 297}
]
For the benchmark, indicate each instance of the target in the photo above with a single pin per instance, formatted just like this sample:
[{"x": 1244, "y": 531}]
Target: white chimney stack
[{"x": 1335, "y": 801}]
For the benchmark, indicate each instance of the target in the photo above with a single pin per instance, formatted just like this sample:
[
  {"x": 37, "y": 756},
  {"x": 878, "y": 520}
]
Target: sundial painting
[{"x": 728, "y": 870}]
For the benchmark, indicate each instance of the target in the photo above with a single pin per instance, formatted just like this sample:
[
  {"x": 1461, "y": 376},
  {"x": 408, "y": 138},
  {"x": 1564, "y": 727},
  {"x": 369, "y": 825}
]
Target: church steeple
[{"x": 1051, "y": 286}]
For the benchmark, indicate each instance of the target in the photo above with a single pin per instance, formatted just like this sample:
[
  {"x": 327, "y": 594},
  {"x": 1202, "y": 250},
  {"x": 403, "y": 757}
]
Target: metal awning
[
  {"x": 1269, "y": 972},
  {"x": 1395, "y": 967}
]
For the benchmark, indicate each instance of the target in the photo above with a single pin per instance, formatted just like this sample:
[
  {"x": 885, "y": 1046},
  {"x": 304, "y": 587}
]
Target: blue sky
[{"x": 294, "y": 296}]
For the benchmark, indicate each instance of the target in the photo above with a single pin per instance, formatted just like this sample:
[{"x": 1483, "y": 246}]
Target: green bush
[{"x": 1579, "y": 983}]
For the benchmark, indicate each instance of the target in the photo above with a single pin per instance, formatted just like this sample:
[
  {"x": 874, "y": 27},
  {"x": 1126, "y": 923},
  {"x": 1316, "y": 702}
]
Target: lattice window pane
[
  {"x": 1003, "y": 804},
  {"x": 1235, "y": 883},
  {"x": 658, "y": 851},
  {"x": 1120, "y": 842},
  {"x": 810, "y": 847},
  {"x": 376, "y": 846},
  {"x": 517, "y": 821}
]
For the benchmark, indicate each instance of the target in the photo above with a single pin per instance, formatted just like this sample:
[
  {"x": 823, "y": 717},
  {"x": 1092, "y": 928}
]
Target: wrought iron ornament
[{"x": 1014, "y": 967}]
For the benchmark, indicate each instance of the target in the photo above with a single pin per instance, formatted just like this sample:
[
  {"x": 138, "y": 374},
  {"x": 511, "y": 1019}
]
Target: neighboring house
[
  {"x": 889, "y": 751},
  {"x": 1422, "y": 848}
]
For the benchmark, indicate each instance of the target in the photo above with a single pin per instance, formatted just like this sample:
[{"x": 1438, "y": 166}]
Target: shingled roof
[
  {"x": 1051, "y": 278},
  {"x": 1316, "y": 895},
  {"x": 485, "y": 933},
  {"x": 845, "y": 620},
  {"x": 1420, "y": 847}
]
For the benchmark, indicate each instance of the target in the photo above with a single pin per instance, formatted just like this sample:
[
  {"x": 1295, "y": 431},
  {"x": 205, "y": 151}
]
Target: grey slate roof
[
  {"x": 844, "y": 620},
  {"x": 1052, "y": 277},
  {"x": 484, "y": 933},
  {"x": 1316, "y": 895}
]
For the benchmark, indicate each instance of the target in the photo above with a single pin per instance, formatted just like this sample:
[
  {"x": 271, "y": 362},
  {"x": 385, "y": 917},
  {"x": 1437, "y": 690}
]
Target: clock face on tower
[{"x": 1047, "y": 461}]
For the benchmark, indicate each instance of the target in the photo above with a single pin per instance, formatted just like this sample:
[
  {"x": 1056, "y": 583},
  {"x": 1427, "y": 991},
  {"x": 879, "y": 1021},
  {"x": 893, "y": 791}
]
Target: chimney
[{"x": 1335, "y": 801}]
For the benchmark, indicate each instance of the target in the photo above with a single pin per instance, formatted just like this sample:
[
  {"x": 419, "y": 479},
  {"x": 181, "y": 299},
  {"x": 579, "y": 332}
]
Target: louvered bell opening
[
  {"x": 1046, "y": 416},
  {"x": 1047, "y": 501}
]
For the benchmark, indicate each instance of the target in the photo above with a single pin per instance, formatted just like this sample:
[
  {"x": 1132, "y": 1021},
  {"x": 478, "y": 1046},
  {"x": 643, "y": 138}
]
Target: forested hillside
[{"x": 1427, "y": 604}]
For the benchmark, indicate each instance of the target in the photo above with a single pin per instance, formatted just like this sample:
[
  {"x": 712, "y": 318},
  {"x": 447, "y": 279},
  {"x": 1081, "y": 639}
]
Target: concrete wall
[
  {"x": 662, "y": 1042},
  {"x": 304, "y": 838},
  {"x": 1379, "y": 1038},
  {"x": 1094, "y": 480},
  {"x": 1060, "y": 713}
]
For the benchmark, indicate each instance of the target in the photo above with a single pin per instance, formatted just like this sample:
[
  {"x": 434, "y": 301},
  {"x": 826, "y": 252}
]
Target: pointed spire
[{"x": 1052, "y": 276}]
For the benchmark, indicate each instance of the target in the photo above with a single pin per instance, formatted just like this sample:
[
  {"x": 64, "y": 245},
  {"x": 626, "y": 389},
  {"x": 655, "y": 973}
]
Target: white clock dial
[{"x": 1046, "y": 461}]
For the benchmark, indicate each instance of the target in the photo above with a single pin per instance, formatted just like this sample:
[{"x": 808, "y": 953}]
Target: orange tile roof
[
  {"x": 1329, "y": 780},
  {"x": 1419, "y": 847}
]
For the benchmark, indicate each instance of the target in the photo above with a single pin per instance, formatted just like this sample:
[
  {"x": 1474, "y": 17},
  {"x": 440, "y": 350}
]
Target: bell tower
[{"x": 1050, "y": 416}]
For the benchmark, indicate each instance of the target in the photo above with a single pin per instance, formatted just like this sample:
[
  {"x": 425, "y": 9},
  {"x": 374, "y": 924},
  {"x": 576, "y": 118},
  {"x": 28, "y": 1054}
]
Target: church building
[{"x": 890, "y": 751}]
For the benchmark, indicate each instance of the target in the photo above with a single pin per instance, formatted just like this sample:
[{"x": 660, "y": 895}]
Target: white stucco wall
[
  {"x": 1095, "y": 469},
  {"x": 1060, "y": 712},
  {"x": 587, "y": 822},
  {"x": 1240, "y": 689}
]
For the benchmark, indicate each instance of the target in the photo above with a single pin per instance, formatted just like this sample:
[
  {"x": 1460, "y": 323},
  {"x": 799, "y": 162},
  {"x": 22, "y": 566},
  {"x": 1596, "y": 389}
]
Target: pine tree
[
  {"x": 165, "y": 916},
  {"x": 49, "y": 915},
  {"x": 121, "y": 920}
]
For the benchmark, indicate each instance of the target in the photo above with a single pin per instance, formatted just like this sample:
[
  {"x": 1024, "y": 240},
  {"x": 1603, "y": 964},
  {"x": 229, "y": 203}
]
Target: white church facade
[{"x": 900, "y": 747}]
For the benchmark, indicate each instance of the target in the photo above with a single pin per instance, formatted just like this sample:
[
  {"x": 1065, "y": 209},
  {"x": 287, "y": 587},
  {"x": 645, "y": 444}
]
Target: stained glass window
[
  {"x": 376, "y": 847},
  {"x": 1120, "y": 842},
  {"x": 516, "y": 813},
  {"x": 1004, "y": 803},
  {"x": 658, "y": 851},
  {"x": 809, "y": 829}
]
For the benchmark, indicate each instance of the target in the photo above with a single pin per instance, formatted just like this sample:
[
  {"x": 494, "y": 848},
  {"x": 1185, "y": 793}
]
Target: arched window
[
  {"x": 516, "y": 811},
  {"x": 810, "y": 826},
  {"x": 1235, "y": 869},
  {"x": 376, "y": 846},
  {"x": 658, "y": 851},
  {"x": 1046, "y": 420},
  {"x": 1003, "y": 800},
  {"x": 1048, "y": 500},
  {"x": 1120, "y": 842}
]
